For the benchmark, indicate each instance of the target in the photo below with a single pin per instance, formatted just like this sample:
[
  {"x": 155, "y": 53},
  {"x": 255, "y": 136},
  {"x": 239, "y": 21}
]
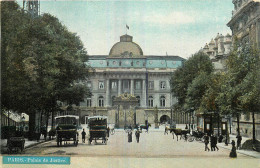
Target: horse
[
  {"x": 145, "y": 127},
  {"x": 178, "y": 132}
]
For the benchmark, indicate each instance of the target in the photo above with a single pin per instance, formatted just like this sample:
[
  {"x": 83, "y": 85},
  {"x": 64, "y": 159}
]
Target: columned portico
[
  {"x": 143, "y": 94},
  {"x": 132, "y": 87},
  {"x": 107, "y": 93}
]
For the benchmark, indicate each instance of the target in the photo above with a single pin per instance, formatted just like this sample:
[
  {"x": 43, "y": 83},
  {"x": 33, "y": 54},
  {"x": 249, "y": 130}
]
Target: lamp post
[{"x": 23, "y": 119}]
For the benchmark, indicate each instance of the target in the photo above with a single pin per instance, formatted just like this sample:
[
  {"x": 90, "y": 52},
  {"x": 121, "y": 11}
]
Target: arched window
[
  {"x": 162, "y": 101},
  {"x": 89, "y": 102},
  {"x": 101, "y": 101},
  {"x": 150, "y": 101},
  {"x": 138, "y": 98}
]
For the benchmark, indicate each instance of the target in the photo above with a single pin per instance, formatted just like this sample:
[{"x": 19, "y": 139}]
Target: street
[{"x": 152, "y": 144}]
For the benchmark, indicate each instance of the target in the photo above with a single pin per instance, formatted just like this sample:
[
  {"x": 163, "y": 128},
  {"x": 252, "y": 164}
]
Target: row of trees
[
  {"x": 41, "y": 64},
  {"x": 232, "y": 92}
]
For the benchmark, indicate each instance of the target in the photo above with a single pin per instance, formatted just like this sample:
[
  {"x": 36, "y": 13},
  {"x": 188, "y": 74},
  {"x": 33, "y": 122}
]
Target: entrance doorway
[{"x": 165, "y": 119}]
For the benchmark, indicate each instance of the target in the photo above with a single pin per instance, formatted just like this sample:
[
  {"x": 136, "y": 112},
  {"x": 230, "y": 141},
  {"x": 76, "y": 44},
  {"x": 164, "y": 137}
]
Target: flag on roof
[{"x": 127, "y": 27}]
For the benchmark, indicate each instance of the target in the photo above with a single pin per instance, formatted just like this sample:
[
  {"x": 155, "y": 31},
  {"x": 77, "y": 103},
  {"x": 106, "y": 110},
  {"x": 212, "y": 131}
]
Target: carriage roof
[
  {"x": 68, "y": 116},
  {"x": 98, "y": 117}
]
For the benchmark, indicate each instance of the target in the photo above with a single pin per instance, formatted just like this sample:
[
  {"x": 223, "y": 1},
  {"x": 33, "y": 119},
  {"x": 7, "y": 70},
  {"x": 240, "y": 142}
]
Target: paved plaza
[{"x": 152, "y": 144}]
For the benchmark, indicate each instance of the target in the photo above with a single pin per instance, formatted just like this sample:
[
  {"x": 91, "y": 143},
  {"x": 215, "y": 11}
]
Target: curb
[
  {"x": 32, "y": 145},
  {"x": 238, "y": 151}
]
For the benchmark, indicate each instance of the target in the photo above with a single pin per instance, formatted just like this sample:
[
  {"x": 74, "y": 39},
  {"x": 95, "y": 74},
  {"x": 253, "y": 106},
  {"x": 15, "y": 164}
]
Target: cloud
[{"x": 171, "y": 18}]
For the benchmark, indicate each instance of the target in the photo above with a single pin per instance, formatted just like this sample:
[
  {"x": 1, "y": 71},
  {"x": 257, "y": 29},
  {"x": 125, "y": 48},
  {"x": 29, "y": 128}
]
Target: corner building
[{"x": 127, "y": 70}]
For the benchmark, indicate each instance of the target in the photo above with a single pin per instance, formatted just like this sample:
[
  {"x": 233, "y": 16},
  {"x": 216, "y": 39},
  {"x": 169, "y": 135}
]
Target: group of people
[
  {"x": 213, "y": 142},
  {"x": 137, "y": 135}
]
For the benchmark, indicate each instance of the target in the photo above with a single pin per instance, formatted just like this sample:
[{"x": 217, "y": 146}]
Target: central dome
[{"x": 126, "y": 48}]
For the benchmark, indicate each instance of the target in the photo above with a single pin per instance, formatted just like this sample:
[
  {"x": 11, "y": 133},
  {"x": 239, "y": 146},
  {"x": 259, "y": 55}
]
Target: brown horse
[{"x": 178, "y": 132}]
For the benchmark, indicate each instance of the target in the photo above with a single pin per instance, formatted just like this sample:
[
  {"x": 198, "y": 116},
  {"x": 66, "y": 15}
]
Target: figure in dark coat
[
  {"x": 83, "y": 136},
  {"x": 108, "y": 129},
  {"x": 137, "y": 135},
  {"x": 233, "y": 153},
  {"x": 239, "y": 139},
  {"x": 206, "y": 141},
  {"x": 129, "y": 137}
]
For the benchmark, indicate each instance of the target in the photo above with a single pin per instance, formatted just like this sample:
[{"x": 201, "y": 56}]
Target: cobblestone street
[{"x": 152, "y": 144}]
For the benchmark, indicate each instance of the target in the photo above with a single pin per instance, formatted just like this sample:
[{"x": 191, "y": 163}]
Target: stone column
[
  {"x": 143, "y": 94},
  {"x": 119, "y": 86},
  {"x": 132, "y": 87},
  {"x": 107, "y": 93}
]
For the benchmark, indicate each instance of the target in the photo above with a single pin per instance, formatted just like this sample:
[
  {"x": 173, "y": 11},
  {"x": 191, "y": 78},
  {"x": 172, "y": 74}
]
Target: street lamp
[{"x": 23, "y": 119}]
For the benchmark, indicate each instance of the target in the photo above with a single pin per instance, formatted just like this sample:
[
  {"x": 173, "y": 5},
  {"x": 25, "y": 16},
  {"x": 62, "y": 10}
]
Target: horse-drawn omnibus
[
  {"x": 97, "y": 129},
  {"x": 66, "y": 129}
]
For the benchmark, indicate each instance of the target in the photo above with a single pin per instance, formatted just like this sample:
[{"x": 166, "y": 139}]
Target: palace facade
[{"x": 127, "y": 70}]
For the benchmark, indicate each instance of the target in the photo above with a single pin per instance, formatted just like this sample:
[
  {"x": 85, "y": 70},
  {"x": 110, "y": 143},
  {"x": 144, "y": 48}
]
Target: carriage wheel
[{"x": 190, "y": 138}]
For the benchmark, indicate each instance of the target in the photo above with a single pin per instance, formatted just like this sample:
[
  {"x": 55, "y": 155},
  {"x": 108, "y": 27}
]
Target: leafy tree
[{"x": 42, "y": 62}]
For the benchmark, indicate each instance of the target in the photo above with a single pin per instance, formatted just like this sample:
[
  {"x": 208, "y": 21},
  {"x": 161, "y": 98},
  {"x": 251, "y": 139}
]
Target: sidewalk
[
  {"x": 26, "y": 145},
  {"x": 245, "y": 152}
]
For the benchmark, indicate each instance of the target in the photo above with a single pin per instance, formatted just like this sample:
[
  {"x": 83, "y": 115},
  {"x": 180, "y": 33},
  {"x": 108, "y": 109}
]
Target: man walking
[
  {"x": 239, "y": 139},
  {"x": 206, "y": 141},
  {"x": 108, "y": 130},
  {"x": 137, "y": 135},
  {"x": 83, "y": 136}
]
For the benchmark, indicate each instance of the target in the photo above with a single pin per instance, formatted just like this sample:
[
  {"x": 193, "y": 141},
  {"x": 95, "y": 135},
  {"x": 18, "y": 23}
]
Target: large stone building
[
  {"x": 127, "y": 70},
  {"x": 245, "y": 26}
]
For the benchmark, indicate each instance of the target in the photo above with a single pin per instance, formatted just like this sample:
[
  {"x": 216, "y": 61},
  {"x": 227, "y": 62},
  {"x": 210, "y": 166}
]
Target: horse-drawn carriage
[
  {"x": 66, "y": 129},
  {"x": 179, "y": 132},
  {"x": 97, "y": 129},
  {"x": 14, "y": 144}
]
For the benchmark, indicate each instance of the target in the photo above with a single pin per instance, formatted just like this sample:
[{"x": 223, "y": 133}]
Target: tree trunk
[
  {"x": 253, "y": 117},
  {"x": 52, "y": 120},
  {"x": 218, "y": 124},
  {"x": 32, "y": 116},
  {"x": 238, "y": 129},
  {"x": 47, "y": 122},
  {"x": 211, "y": 124}
]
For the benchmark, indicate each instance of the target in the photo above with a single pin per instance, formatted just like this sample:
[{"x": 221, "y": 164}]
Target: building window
[
  {"x": 162, "y": 101},
  {"x": 163, "y": 84},
  {"x": 101, "y": 101},
  {"x": 138, "y": 98},
  {"x": 150, "y": 101},
  {"x": 89, "y": 84},
  {"x": 89, "y": 102},
  {"x": 101, "y": 85},
  {"x": 150, "y": 84},
  {"x": 126, "y": 86},
  {"x": 114, "y": 85},
  {"x": 138, "y": 85}
]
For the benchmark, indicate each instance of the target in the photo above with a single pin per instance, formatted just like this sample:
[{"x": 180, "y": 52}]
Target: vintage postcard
[{"x": 123, "y": 84}]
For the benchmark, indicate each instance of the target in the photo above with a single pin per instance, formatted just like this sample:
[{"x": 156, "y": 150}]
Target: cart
[
  {"x": 15, "y": 144},
  {"x": 97, "y": 129},
  {"x": 66, "y": 133}
]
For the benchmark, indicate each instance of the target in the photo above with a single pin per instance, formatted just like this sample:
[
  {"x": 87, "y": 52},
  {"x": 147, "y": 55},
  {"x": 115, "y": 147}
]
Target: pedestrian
[
  {"x": 215, "y": 142},
  {"x": 108, "y": 129},
  {"x": 233, "y": 153},
  {"x": 137, "y": 135},
  {"x": 130, "y": 136},
  {"x": 212, "y": 147},
  {"x": 83, "y": 136},
  {"x": 239, "y": 139},
  {"x": 166, "y": 130},
  {"x": 186, "y": 127},
  {"x": 206, "y": 141}
]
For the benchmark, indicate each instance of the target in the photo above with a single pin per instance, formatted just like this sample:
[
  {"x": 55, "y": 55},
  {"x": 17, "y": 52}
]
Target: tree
[
  {"x": 182, "y": 86},
  {"x": 42, "y": 63}
]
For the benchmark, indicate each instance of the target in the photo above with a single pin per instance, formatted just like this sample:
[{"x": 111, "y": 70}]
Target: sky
[{"x": 176, "y": 27}]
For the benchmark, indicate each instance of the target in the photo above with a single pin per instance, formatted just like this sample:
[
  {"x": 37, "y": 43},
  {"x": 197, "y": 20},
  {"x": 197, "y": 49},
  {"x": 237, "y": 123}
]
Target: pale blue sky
[{"x": 178, "y": 27}]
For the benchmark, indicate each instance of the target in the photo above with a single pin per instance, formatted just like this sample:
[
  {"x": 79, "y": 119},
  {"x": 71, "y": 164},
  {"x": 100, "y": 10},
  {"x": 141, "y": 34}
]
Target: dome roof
[{"x": 126, "y": 48}]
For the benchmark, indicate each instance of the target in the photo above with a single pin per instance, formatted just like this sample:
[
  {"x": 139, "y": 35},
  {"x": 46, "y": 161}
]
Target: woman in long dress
[{"x": 130, "y": 136}]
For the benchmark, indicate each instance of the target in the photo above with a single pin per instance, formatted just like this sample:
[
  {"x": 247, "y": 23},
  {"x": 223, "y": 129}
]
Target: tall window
[
  {"x": 138, "y": 85},
  {"x": 101, "y": 101},
  {"x": 114, "y": 85},
  {"x": 101, "y": 84},
  {"x": 89, "y": 102},
  {"x": 163, "y": 84},
  {"x": 150, "y": 101},
  {"x": 162, "y": 101},
  {"x": 138, "y": 98},
  {"x": 150, "y": 84},
  {"x": 126, "y": 86}
]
